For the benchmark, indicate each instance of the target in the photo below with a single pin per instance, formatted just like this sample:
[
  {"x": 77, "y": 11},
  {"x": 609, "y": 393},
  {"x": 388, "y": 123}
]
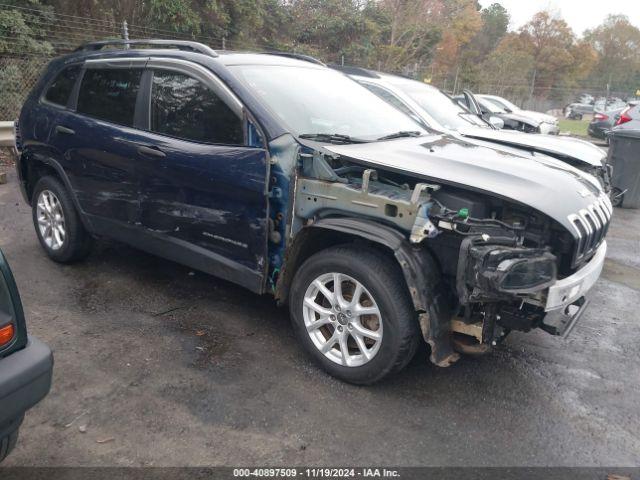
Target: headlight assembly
[
  {"x": 488, "y": 272},
  {"x": 522, "y": 275}
]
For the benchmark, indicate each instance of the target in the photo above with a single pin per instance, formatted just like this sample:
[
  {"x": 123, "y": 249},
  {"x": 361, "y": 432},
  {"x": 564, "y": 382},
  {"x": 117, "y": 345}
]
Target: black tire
[
  {"x": 382, "y": 277},
  {"x": 77, "y": 243},
  {"x": 8, "y": 443}
]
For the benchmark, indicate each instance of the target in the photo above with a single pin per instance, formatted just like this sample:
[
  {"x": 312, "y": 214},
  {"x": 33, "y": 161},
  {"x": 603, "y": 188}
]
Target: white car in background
[
  {"x": 548, "y": 123},
  {"x": 437, "y": 111}
]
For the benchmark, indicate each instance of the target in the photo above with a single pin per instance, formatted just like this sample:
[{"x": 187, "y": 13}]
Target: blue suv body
[{"x": 285, "y": 176}]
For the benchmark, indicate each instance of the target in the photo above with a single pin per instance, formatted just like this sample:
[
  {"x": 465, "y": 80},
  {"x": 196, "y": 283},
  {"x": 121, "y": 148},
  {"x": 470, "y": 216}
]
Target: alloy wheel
[
  {"x": 342, "y": 319},
  {"x": 51, "y": 220}
]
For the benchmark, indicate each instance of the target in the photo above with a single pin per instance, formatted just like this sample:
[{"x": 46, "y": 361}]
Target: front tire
[
  {"x": 363, "y": 330},
  {"x": 57, "y": 222}
]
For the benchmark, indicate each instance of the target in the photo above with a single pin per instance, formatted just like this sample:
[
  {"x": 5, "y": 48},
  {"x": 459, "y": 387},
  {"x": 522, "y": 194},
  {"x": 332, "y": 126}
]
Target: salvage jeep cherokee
[{"x": 285, "y": 176}]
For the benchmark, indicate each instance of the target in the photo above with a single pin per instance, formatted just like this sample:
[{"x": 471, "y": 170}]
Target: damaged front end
[{"x": 477, "y": 266}]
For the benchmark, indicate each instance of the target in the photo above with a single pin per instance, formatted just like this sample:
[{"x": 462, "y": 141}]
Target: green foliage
[
  {"x": 20, "y": 34},
  {"x": 452, "y": 42},
  {"x": 495, "y": 21},
  {"x": 617, "y": 43}
]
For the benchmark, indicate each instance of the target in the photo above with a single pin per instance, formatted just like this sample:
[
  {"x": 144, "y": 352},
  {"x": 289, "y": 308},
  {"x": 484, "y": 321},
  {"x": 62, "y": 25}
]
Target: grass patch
[{"x": 574, "y": 127}]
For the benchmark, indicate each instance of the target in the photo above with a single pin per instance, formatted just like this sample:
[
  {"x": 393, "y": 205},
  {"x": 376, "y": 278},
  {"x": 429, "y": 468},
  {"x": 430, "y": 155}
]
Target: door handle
[
  {"x": 151, "y": 152},
  {"x": 65, "y": 130}
]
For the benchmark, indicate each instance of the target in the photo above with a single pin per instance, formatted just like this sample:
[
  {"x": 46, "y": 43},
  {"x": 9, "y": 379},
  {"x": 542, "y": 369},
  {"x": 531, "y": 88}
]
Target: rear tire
[
  {"x": 373, "y": 335},
  {"x": 8, "y": 443},
  {"x": 57, "y": 222}
]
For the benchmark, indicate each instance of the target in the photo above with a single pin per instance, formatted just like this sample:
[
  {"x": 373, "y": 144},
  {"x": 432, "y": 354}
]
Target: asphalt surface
[{"x": 159, "y": 365}]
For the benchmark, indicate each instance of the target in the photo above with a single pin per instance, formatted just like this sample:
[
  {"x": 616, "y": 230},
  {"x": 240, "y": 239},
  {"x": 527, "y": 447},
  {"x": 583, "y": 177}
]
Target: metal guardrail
[{"x": 7, "y": 134}]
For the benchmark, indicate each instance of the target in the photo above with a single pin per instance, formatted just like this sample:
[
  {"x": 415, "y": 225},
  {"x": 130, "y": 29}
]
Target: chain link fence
[
  {"x": 53, "y": 34},
  {"x": 17, "y": 77}
]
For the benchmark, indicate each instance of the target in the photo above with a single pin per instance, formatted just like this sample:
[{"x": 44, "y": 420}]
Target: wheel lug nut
[
  {"x": 332, "y": 318},
  {"x": 350, "y": 327},
  {"x": 339, "y": 328},
  {"x": 337, "y": 308}
]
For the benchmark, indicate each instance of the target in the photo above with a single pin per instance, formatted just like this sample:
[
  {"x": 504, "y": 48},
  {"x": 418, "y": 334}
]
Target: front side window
[
  {"x": 60, "y": 90},
  {"x": 184, "y": 107},
  {"x": 489, "y": 107},
  {"x": 502, "y": 103},
  {"x": 110, "y": 94}
]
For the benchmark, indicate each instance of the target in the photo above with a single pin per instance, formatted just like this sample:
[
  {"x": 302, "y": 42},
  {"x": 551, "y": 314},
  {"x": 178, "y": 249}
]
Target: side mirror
[
  {"x": 13, "y": 331},
  {"x": 497, "y": 122}
]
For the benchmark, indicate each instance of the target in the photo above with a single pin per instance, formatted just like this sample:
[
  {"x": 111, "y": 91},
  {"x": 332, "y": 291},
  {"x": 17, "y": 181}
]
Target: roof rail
[
  {"x": 297, "y": 56},
  {"x": 359, "y": 71},
  {"x": 179, "y": 44}
]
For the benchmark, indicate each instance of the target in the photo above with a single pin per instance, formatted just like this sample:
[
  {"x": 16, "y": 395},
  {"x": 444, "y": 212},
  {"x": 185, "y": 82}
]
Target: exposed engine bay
[{"x": 496, "y": 259}]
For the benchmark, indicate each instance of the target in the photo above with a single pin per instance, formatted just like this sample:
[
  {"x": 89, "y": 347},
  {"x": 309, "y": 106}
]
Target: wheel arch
[
  {"x": 32, "y": 168},
  {"x": 421, "y": 273}
]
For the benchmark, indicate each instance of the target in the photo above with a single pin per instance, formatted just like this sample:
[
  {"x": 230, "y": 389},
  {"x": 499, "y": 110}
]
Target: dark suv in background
[{"x": 287, "y": 177}]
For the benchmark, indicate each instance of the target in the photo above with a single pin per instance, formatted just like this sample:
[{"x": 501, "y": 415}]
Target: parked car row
[
  {"x": 378, "y": 209},
  {"x": 435, "y": 110},
  {"x": 625, "y": 117}
]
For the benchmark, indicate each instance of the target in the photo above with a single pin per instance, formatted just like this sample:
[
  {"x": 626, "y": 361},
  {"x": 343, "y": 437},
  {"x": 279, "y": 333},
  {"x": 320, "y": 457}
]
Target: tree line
[{"x": 450, "y": 43}]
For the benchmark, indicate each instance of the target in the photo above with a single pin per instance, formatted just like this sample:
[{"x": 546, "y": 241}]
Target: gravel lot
[{"x": 158, "y": 365}]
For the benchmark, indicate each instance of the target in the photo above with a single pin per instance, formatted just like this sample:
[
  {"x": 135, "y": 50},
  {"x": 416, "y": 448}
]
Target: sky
[{"x": 579, "y": 14}]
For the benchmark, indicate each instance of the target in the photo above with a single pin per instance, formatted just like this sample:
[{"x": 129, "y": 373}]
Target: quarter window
[
  {"x": 110, "y": 94},
  {"x": 183, "y": 107},
  {"x": 60, "y": 90}
]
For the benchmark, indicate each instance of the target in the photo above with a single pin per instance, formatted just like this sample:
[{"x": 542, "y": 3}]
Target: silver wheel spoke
[
  {"x": 324, "y": 291},
  {"x": 318, "y": 323},
  {"x": 360, "y": 310},
  {"x": 357, "y": 293},
  {"x": 337, "y": 288},
  {"x": 361, "y": 345},
  {"x": 330, "y": 343},
  {"x": 316, "y": 308},
  {"x": 344, "y": 350},
  {"x": 365, "y": 332}
]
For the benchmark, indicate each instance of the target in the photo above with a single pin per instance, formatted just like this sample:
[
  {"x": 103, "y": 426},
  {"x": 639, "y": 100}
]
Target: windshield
[
  {"x": 502, "y": 103},
  {"x": 323, "y": 101},
  {"x": 438, "y": 105}
]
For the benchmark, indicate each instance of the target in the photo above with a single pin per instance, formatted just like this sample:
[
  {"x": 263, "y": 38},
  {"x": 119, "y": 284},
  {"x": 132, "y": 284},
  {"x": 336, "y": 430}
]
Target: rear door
[
  {"x": 204, "y": 189},
  {"x": 97, "y": 139}
]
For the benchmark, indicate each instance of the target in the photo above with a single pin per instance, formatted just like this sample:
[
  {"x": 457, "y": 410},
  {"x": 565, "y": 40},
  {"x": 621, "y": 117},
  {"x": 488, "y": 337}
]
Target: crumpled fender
[{"x": 428, "y": 293}]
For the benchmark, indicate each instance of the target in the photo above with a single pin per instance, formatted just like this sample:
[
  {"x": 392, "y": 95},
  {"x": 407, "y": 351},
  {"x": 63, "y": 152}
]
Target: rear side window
[
  {"x": 183, "y": 107},
  {"x": 110, "y": 94},
  {"x": 60, "y": 90}
]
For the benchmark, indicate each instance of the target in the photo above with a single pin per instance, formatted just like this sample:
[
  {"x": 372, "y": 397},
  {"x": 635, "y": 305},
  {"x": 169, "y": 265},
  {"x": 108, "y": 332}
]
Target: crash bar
[{"x": 179, "y": 44}]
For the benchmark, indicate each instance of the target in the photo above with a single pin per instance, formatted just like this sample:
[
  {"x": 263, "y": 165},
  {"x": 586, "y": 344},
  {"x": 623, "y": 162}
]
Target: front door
[{"x": 203, "y": 189}]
